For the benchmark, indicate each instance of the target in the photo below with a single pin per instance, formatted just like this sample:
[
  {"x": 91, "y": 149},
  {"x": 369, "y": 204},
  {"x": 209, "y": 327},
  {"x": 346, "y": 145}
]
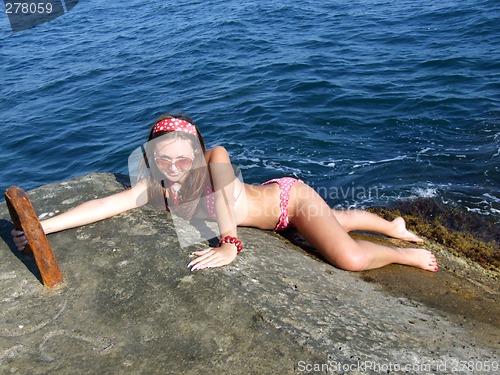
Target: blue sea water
[{"x": 368, "y": 101}]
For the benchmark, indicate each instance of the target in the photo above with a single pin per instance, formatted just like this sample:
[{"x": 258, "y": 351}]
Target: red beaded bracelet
[{"x": 234, "y": 241}]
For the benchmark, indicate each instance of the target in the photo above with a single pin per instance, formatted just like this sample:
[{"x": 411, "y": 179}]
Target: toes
[
  {"x": 433, "y": 264},
  {"x": 432, "y": 267},
  {"x": 412, "y": 236},
  {"x": 425, "y": 259},
  {"x": 417, "y": 239}
]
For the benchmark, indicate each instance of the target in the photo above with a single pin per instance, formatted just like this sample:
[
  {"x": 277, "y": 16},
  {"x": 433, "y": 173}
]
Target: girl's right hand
[{"x": 20, "y": 240}]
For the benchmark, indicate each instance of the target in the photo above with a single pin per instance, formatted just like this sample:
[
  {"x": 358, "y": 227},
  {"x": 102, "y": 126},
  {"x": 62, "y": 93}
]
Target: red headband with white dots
[{"x": 174, "y": 124}]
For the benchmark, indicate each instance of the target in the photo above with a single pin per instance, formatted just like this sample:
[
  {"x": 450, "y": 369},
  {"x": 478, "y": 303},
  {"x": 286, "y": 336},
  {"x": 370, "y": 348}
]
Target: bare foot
[
  {"x": 399, "y": 231},
  {"x": 419, "y": 258}
]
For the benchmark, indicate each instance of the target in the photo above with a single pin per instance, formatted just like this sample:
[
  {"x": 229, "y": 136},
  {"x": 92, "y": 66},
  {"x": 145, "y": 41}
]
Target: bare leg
[
  {"x": 319, "y": 226},
  {"x": 366, "y": 221}
]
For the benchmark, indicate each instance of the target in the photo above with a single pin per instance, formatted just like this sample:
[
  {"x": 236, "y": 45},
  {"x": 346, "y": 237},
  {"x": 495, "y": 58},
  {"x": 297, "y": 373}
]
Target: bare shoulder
[{"x": 217, "y": 154}]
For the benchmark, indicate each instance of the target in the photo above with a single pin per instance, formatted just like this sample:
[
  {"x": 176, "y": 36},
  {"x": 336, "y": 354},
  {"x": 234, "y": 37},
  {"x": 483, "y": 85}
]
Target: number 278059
[{"x": 28, "y": 8}]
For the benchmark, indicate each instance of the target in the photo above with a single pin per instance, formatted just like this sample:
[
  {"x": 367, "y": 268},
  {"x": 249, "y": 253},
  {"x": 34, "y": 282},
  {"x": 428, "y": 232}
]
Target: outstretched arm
[{"x": 90, "y": 212}]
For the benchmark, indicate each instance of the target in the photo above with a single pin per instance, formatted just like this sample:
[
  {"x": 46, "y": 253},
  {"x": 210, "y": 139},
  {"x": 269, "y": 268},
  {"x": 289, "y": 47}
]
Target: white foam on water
[{"x": 427, "y": 192}]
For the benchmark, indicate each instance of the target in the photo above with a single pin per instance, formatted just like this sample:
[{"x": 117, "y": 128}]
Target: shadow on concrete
[{"x": 27, "y": 259}]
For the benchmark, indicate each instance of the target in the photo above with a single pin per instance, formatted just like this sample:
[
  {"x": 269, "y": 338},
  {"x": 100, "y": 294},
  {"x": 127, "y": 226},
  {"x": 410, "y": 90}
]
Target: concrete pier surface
[{"x": 130, "y": 305}]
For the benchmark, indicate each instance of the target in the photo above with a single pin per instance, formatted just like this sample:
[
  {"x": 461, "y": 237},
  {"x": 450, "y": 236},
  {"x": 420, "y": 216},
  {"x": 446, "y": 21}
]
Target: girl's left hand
[{"x": 214, "y": 257}]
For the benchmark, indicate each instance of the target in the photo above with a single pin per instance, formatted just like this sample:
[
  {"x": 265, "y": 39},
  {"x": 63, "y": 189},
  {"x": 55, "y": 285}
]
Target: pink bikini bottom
[{"x": 285, "y": 184}]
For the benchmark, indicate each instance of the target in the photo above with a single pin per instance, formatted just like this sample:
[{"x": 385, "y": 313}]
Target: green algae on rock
[{"x": 463, "y": 233}]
